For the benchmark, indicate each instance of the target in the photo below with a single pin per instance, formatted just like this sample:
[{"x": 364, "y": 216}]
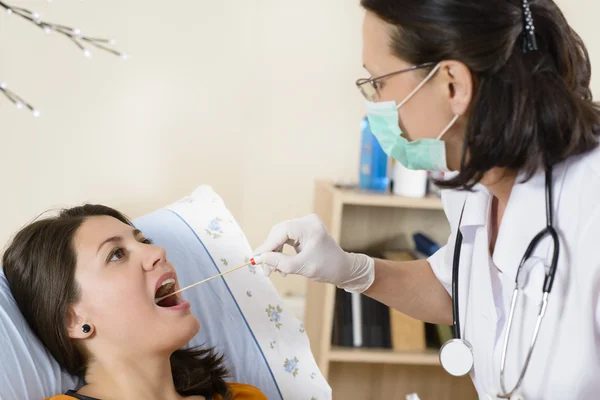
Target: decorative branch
[
  {"x": 73, "y": 34},
  {"x": 17, "y": 100}
]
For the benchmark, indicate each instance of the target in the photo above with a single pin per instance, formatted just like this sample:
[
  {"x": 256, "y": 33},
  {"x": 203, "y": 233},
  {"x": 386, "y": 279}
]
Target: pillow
[
  {"x": 246, "y": 297},
  {"x": 241, "y": 314},
  {"x": 27, "y": 370}
]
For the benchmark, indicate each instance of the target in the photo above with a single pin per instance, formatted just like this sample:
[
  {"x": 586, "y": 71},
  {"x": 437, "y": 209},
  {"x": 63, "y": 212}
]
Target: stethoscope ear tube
[
  {"x": 456, "y": 355},
  {"x": 549, "y": 281},
  {"x": 455, "y": 270}
]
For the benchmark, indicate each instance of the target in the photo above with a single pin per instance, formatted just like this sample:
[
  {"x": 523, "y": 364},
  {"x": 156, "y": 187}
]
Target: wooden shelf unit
[
  {"x": 383, "y": 356},
  {"x": 366, "y": 221}
]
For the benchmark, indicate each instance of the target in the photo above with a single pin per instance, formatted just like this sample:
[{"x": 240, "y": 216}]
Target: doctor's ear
[
  {"x": 458, "y": 85},
  {"x": 77, "y": 327}
]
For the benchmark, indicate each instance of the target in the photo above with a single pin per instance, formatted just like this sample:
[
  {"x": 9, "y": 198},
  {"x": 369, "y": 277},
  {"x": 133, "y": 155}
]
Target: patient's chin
[
  {"x": 182, "y": 333},
  {"x": 194, "y": 329}
]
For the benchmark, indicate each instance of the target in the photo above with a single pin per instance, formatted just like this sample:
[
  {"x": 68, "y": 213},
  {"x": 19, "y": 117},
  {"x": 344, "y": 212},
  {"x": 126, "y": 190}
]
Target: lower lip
[{"x": 183, "y": 305}]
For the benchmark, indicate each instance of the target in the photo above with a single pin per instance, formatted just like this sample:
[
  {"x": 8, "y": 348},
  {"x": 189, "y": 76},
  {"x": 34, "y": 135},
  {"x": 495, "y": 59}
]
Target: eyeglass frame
[{"x": 373, "y": 80}]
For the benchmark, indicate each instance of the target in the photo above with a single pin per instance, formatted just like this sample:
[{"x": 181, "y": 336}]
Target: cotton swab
[{"x": 253, "y": 261}]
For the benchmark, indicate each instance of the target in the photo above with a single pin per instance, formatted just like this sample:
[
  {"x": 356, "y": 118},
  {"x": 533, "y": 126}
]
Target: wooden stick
[{"x": 204, "y": 281}]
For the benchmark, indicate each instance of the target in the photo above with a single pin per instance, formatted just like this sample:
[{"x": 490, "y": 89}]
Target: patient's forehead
[{"x": 89, "y": 238}]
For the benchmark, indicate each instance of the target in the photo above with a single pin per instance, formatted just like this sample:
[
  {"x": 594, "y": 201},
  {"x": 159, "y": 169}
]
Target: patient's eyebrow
[{"x": 116, "y": 239}]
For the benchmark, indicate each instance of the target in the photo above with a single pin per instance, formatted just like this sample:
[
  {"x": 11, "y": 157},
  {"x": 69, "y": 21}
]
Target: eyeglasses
[{"x": 369, "y": 87}]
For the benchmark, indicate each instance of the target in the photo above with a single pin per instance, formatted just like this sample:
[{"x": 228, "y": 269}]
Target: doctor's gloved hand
[{"x": 318, "y": 257}]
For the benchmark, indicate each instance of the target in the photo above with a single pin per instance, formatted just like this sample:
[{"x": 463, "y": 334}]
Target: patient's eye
[
  {"x": 146, "y": 241},
  {"x": 116, "y": 255}
]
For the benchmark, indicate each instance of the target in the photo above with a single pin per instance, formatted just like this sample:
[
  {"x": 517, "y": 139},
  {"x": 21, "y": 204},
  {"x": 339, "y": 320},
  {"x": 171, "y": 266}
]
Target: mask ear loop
[
  {"x": 420, "y": 85},
  {"x": 447, "y": 128}
]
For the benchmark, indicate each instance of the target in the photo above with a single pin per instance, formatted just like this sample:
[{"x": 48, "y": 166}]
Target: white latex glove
[{"x": 318, "y": 257}]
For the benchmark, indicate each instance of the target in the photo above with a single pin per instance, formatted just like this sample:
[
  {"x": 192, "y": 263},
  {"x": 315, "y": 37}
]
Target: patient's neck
[{"x": 120, "y": 377}]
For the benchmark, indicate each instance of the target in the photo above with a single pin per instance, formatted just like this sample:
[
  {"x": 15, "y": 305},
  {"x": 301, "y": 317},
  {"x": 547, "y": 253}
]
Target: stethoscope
[{"x": 456, "y": 355}]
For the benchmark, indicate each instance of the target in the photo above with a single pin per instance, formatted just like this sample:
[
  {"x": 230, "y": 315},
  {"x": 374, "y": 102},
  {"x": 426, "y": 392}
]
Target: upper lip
[{"x": 163, "y": 277}]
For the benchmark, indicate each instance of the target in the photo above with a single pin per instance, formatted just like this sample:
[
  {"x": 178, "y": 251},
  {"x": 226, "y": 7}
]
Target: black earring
[{"x": 86, "y": 328}]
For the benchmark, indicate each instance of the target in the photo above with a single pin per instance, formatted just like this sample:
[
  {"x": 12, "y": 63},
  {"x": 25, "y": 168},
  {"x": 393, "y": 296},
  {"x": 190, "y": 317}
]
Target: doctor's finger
[
  {"x": 280, "y": 262},
  {"x": 268, "y": 270},
  {"x": 284, "y": 233},
  {"x": 268, "y": 248}
]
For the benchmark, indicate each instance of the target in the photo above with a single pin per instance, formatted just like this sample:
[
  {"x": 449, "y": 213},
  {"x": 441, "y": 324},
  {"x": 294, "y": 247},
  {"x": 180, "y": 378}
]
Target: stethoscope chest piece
[{"x": 456, "y": 356}]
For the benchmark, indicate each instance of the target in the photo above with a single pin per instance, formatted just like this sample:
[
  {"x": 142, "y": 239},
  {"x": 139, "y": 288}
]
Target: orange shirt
[
  {"x": 245, "y": 392},
  {"x": 238, "y": 390}
]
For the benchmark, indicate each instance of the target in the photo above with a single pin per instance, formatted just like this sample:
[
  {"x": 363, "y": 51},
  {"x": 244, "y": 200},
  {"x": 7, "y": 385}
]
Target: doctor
[{"x": 497, "y": 91}]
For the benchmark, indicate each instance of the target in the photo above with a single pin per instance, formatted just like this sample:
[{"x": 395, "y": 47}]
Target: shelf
[
  {"x": 359, "y": 219},
  {"x": 366, "y": 198},
  {"x": 384, "y": 356}
]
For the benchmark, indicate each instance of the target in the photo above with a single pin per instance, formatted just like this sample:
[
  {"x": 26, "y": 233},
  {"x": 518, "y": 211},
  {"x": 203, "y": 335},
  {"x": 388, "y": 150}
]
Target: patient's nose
[{"x": 154, "y": 256}]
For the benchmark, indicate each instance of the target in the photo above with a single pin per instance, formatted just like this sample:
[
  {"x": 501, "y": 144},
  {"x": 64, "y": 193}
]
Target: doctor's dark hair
[
  {"x": 529, "y": 110},
  {"x": 40, "y": 265}
]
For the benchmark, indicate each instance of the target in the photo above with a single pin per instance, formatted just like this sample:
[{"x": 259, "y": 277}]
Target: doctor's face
[
  {"x": 119, "y": 273},
  {"x": 427, "y": 113}
]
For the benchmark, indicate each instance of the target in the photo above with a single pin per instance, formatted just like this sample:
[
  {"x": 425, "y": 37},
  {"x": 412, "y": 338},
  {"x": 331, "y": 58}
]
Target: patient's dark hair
[
  {"x": 529, "y": 110},
  {"x": 40, "y": 266}
]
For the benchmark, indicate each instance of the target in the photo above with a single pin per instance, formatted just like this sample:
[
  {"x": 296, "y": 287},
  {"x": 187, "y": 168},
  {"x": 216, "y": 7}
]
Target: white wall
[
  {"x": 255, "y": 97},
  {"x": 583, "y": 17}
]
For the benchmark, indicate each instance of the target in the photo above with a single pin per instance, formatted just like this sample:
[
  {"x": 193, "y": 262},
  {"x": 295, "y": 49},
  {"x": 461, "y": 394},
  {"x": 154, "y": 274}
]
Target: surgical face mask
[{"x": 423, "y": 154}]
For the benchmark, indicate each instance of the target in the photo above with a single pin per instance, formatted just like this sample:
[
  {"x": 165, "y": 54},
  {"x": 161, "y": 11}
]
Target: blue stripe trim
[{"x": 234, "y": 300}]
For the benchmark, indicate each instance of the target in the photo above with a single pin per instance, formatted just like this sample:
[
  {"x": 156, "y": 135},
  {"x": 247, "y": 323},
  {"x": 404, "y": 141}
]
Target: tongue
[
  {"x": 164, "y": 290},
  {"x": 170, "y": 301}
]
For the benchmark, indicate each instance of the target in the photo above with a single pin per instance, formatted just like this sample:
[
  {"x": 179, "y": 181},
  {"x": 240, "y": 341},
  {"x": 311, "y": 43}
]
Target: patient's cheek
[{"x": 112, "y": 305}]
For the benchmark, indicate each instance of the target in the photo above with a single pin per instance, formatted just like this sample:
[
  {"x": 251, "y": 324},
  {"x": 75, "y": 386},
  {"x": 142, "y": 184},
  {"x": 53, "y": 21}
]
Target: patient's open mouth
[{"x": 167, "y": 286}]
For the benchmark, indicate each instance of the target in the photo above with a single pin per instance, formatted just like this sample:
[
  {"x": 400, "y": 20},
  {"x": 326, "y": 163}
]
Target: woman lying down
[{"x": 86, "y": 281}]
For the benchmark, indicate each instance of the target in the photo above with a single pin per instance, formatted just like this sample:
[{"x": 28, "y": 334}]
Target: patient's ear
[{"x": 77, "y": 326}]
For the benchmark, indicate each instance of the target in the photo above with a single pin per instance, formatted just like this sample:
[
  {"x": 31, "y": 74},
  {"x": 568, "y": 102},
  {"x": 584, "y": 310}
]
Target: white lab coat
[{"x": 566, "y": 361}]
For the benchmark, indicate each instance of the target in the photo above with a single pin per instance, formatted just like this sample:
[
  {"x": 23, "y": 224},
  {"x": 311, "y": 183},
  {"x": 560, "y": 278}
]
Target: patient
[{"x": 86, "y": 282}]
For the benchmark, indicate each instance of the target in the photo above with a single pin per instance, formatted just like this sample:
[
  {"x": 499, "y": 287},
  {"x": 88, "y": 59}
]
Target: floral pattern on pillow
[{"x": 279, "y": 334}]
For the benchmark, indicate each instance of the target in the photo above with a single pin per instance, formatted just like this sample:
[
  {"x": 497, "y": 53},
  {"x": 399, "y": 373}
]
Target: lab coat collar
[{"x": 476, "y": 209}]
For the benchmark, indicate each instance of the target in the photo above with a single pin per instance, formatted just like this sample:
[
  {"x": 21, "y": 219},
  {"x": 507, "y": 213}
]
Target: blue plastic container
[{"x": 373, "y": 161}]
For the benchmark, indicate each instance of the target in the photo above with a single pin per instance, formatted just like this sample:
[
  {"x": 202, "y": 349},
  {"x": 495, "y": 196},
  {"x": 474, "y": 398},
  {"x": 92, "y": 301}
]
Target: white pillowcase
[{"x": 276, "y": 332}]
